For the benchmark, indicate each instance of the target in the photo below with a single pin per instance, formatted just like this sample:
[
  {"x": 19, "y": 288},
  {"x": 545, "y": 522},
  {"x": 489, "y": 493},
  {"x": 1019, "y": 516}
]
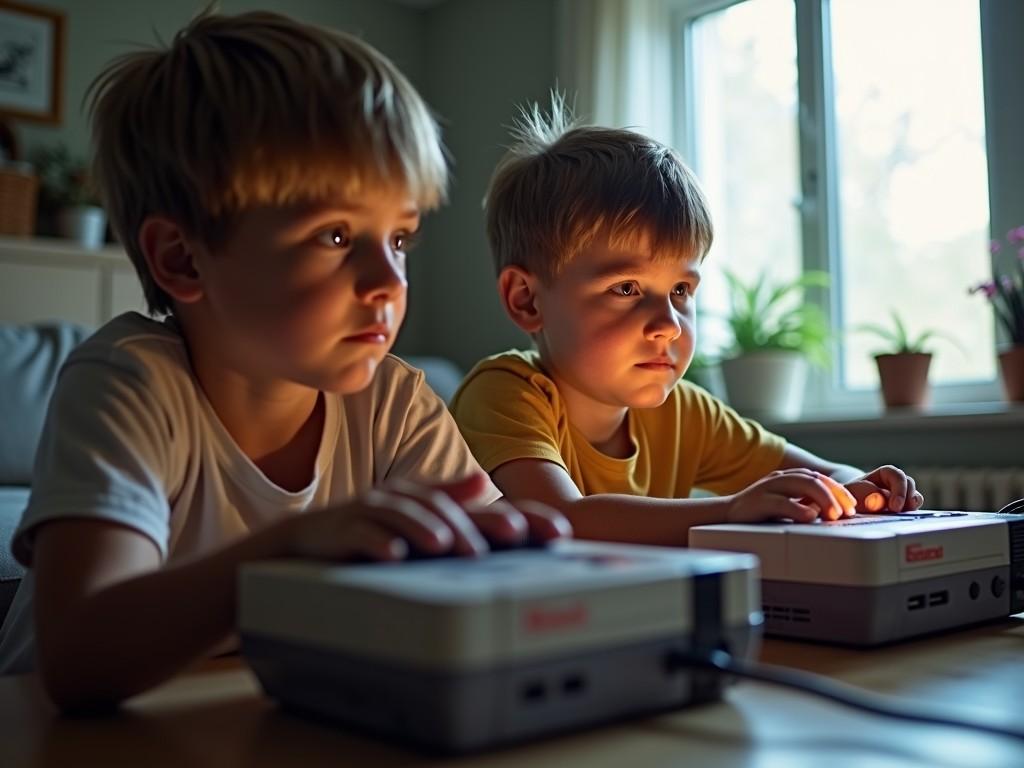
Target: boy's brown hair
[
  {"x": 559, "y": 184},
  {"x": 249, "y": 110}
]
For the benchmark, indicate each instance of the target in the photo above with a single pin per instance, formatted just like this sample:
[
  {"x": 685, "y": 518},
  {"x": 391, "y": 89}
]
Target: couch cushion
[
  {"x": 30, "y": 356},
  {"x": 442, "y": 375},
  {"x": 12, "y": 504}
]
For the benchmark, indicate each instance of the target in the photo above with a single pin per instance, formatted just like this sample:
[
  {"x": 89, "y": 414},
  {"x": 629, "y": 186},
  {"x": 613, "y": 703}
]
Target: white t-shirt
[{"x": 130, "y": 437}]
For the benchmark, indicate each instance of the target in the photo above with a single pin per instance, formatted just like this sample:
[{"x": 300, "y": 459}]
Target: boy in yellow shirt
[
  {"x": 266, "y": 178},
  {"x": 598, "y": 237}
]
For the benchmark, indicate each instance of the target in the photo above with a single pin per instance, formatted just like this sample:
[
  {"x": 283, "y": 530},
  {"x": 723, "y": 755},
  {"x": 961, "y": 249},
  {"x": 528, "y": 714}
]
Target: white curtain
[{"x": 615, "y": 60}]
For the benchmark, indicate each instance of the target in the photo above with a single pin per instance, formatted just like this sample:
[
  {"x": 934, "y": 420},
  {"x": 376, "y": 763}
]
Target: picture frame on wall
[{"x": 31, "y": 62}]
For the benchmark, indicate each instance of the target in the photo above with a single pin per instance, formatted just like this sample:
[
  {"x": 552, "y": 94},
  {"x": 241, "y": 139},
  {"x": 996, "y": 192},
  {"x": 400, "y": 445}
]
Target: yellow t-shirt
[{"x": 508, "y": 408}]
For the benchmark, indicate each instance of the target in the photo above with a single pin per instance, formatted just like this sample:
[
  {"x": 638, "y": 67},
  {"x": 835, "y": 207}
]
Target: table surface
[{"x": 216, "y": 715}]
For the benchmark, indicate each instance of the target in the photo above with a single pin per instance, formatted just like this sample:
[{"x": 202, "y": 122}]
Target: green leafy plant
[
  {"x": 898, "y": 339},
  {"x": 63, "y": 178},
  {"x": 769, "y": 315}
]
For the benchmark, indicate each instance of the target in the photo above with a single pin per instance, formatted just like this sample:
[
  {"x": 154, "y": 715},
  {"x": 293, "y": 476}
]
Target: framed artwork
[{"x": 31, "y": 62}]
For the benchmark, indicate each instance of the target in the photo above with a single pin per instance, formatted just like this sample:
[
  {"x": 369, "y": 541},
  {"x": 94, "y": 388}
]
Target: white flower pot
[
  {"x": 766, "y": 386},
  {"x": 85, "y": 224}
]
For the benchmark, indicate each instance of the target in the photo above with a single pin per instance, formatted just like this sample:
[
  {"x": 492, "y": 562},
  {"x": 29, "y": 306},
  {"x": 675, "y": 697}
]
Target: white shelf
[{"x": 51, "y": 279}]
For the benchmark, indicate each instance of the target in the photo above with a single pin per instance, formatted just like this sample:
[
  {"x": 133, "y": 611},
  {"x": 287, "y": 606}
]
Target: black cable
[{"x": 841, "y": 693}]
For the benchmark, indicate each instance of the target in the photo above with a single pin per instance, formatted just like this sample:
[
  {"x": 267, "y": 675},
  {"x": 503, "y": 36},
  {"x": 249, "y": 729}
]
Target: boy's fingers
[
  {"x": 545, "y": 523},
  {"x": 870, "y": 498},
  {"x": 799, "y": 486},
  {"x": 368, "y": 539},
  {"x": 876, "y": 501},
  {"x": 914, "y": 499},
  {"x": 407, "y": 518},
  {"x": 894, "y": 480},
  {"x": 781, "y": 508},
  {"x": 467, "y": 539},
  {"x": 509, "y": 524},
  {"x": 842, "y": 494},
  {"x": 501, "y": 524}
]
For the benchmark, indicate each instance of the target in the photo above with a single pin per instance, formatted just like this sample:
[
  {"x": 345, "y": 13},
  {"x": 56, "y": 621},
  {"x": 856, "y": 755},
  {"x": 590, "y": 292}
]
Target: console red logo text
[
  {"x": 548, "y": 618},
  {"x": 916, "y": 553}
]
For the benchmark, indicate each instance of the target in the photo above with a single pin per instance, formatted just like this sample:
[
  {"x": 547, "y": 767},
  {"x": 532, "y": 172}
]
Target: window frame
[{"x": 819, "y": 213}]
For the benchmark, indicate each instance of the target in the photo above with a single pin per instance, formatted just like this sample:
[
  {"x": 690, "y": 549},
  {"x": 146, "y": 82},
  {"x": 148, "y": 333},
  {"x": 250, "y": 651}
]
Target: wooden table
[{"x": 216, "y": 716}]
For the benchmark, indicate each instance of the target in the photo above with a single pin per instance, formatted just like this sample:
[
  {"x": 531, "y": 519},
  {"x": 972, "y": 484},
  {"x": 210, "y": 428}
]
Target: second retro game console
[{"x": 873, "y": 579}]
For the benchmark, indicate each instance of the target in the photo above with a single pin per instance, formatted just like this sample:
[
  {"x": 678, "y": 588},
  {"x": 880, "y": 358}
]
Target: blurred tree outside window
[{"x": 891, "y": 163}]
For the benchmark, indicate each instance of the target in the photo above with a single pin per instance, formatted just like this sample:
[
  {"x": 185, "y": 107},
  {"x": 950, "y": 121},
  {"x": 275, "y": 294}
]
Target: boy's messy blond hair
[
  {"x": 250, "y": 110},
  {"x": 559, "y": 184}
]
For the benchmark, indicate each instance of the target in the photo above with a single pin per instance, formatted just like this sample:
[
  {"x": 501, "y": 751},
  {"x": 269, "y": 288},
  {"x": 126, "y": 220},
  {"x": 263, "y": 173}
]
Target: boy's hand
[
  {"x": 402, "y": 517},
  {"x": 897, "y": 490},
  {"x": 801, "y": 495}
]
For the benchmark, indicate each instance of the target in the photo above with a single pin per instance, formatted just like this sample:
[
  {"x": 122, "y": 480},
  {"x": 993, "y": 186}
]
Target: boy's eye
[
  {"x": 336, "y": 237},
  {"x": 403, "y": 241},
  {"x": 681, "y": 289},
  {"x": 626, "y": 289}
]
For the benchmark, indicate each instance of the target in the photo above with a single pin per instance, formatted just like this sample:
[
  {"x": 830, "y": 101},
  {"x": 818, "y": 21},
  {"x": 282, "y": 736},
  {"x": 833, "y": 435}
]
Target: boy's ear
[
  {"x": 171, "y": 259},
  {"x": 518, "y": 291}
]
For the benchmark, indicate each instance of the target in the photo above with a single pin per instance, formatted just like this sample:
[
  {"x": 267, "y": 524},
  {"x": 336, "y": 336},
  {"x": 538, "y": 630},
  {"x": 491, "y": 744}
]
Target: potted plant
[
  {"x": 775, "y": 334},
  {"x": 703, "y": 371},
  {"x": 66, "y": 196},
  {"x": 1006, "y": 294},
  {"x": 903, "y": 366}
]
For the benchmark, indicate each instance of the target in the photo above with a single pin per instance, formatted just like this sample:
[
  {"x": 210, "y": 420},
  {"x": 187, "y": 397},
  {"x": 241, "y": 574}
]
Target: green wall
[
  {"x": 98, "y": 30},
  {"x": 1002, "y": 25},
  {"x": 484, "y": 58},
  {"x": 473, "y": 60}
]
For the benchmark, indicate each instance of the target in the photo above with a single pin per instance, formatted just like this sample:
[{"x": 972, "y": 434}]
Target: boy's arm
[
  {"x": 111, "y": 620},
  {"x": 797, "y": 458},
  {"x": 666, "y": 522}
]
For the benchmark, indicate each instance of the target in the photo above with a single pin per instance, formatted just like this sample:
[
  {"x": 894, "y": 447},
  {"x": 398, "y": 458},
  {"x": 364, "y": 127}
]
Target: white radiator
[{"x": 971, "y": 489}]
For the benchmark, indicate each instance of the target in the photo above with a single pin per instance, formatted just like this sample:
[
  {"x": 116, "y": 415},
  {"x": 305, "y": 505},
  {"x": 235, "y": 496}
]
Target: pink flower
[
  {"x": 989, "y": 289},
  {"x": 1005, "y": 291}
]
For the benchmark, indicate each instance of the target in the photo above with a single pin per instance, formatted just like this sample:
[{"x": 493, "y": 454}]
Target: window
[{"x": 837, "y": 135}]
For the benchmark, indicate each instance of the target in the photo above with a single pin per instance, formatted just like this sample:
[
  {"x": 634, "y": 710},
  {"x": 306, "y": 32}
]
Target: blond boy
[
  {"x": 266, "y": 178},
  {"x": 598, "y": 237}
]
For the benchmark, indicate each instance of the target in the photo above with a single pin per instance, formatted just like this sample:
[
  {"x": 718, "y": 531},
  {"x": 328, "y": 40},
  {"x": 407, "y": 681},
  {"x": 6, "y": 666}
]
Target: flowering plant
[{"x": 1006, "y": 290}]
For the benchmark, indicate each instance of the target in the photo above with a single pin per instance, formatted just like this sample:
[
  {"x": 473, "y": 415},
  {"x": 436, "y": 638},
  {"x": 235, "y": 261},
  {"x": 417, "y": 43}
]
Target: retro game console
[
  {"x": 873, "y": 579},
  {"x": 457, "y": 654}
]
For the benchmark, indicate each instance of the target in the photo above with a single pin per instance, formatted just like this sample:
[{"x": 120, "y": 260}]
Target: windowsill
[
  {"x": 939, "y": 416},
  {"x": 981, "y": 434}
]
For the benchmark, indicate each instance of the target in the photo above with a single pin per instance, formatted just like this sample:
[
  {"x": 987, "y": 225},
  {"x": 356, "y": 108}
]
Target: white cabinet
[{"x": 49, "y": 279}]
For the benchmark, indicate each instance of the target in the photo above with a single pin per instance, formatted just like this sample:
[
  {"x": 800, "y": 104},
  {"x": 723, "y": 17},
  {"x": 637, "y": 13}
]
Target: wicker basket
[{"x": 18, "y": 195}]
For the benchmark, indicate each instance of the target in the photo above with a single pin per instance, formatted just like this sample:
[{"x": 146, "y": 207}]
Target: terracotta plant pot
[
  {"x": 1011, "y": 364},
  {"x": 904, "y": 379}
]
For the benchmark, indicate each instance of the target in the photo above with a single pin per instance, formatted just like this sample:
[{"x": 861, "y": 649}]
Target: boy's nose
[
  {"x": 381, "y": 276},
  {"x": 664, "y": 324}
]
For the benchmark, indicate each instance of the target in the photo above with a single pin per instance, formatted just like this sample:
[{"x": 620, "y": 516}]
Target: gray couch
[{"x": 30, "y": 357}]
